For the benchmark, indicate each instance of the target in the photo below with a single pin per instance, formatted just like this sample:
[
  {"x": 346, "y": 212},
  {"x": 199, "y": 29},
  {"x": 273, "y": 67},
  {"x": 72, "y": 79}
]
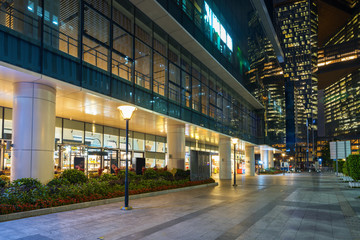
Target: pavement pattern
[{"x": 291, "y": 206}]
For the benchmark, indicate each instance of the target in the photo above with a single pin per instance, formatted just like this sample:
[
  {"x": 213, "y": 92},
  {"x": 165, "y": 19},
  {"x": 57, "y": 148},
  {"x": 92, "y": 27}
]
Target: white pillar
[
  {"x": 249, "y": 161},
  {"x": 271, "y": 159},
  {"x": 225, "y": 157},
  {"x": 176, "y": 146},
  {"x": 264, "y": 158},
  {"x": 33, "y": 131}
]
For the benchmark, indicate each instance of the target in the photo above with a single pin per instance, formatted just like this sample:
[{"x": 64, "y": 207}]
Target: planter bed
[
  {"x": 74, "y": 206},
  {"x": 73, "y": 187},
  {"x": 39, "y": 204}
]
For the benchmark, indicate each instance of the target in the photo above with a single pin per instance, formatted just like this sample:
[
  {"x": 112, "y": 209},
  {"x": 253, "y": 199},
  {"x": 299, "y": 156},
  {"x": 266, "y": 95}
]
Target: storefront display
[
  {"x": 89, "y": 146},
  {"x": 215, "y": 164}
]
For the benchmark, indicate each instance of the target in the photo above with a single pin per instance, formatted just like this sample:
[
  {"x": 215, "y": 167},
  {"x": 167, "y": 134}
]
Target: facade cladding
[
  {"x": 297, "y": 23},
  {"x": 112, "y": 48},
  {"x": 342, "y": 107},
  {"x": 266, "y": 81},
  {"x": 343, "y": 46},
  {"x": 347, "y": 33}
]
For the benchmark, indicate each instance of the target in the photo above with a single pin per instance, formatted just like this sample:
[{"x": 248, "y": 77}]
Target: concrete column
[
  {"x": 225, "y": 158},
  {"x": 271, "y": 159},
  {"x": 176, "y": 146},
  {"x": 264, "y": 158},
  {"x": 249, "y": 161},
  {"x": 33, "y": 131}
]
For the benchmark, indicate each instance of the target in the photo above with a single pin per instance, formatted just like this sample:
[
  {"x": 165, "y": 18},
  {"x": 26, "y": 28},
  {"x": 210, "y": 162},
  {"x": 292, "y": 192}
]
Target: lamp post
[
  {"x": 127, "y": 112},
  {"x": 234, "y": 141},
  {"x": 283, "y": 155}
]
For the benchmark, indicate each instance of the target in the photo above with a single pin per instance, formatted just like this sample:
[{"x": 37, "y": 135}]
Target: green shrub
[
  {"x": 166, "y": 175},
  {"x": 2, "y": 183},
  {"x": 5, "y": 178},
  {"x": 93, "y": 175},
  {"x": 347, "y": 164},
  {"x": 345, "y": 168},
  {"x": 107, "y": 177},
  {"x": 25, "y": 190},
  {"x": 26, "y": 183},
  {"x": 182, "y": 174},
  {"x": 151, "y": 174},
  {"x": 74, "y": 176},
  {"x": 58, "y": 182},
  {"x": 354, "y": 166}
]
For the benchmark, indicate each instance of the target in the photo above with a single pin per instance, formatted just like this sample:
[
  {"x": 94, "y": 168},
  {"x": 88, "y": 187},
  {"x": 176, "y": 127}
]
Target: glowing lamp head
[
  {"x": 127, "y": 111},
  {"x": 283, "y": 154},
  {"x": 234, "y": 140}
]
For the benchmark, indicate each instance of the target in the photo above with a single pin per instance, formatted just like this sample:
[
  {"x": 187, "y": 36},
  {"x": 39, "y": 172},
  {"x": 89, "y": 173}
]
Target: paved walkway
[{"x": 294, "y": 206}]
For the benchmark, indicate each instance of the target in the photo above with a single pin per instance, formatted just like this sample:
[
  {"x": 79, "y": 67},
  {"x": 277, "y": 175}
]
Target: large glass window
[
  {"x": 1, "y": 121},
  {"x": 139, "y": 141},
  {"x": 159, "y": 75},
  {"x": 143, "y": 31},
  {"x": 73, "y": 131},
  {"x": 122, "y": 41},
  {"x": 196, "y": 86},
  {"x": 61, "y": 28},
  {"x": 204, "y": 92},
  {"x": 174, "y": 83},
  {"x": 123, "y": 140},
  {"x": 122, "y": 16},
  {"x": 142, "y": 64},
  {"x": 160, "y": 144},
  {"x": 93, "y": 135},
  {"x": 150, "y": 143},
  {"x": 7, "y": 123},
  {"x": 58, "y": 131},
  {"x": 174, "y": 52},
  {"x": 96, "y": 26},
  {"x": 121, "y": 66},
  {"x": 111, "y": 137},
  {"x": 95, "y": 54}
]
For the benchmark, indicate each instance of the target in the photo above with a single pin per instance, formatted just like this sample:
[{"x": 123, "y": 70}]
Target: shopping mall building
[{"x": 66, "y": 66}]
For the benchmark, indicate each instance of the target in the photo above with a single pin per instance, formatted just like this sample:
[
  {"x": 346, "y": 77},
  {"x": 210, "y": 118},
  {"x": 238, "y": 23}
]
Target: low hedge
[{"x": 29, "y": 194}]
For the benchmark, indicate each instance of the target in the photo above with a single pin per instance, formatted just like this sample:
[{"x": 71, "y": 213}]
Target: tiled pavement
[{"x": 294, "y": 206}]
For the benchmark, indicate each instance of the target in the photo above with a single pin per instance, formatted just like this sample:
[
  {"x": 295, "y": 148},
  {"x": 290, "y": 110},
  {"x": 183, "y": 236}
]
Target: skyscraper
[
  {"x": 266, "y": 81},
  {"x": 297, "y": 23}
]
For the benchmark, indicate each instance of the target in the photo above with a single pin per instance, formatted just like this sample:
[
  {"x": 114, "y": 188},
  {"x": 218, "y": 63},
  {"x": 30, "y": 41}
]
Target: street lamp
[
  {"x": 283, "y": 155},
  {"x": 234, "y": 141},
  {"x": 127, "y": 112}
]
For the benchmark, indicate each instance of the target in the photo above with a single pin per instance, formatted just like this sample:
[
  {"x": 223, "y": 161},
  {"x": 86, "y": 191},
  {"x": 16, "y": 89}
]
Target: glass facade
[
  {"x": 266, "y": 81},
  {"x": 113, "y": 48},
  {"x": 97, "y": 143},
  {"x": 101, "y": 146},
  {"x": 343, "y": 46},
  {"x": 342, "y": 107},
  {"x": 297, "y": 24}
]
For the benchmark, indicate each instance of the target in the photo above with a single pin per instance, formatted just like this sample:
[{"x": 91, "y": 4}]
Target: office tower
[
  {"x": 342, "y": 107},
  {"x": 179, "y": 62},
  {"x": 266, "y": 81},
  {"x": 297, "y": 24}
]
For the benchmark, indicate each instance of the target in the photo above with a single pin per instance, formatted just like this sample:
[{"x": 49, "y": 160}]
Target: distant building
[
  {"x": 266, "y": 81},
  {"x": 342, "y": 107},
  {"x": 297, "y": 24}
]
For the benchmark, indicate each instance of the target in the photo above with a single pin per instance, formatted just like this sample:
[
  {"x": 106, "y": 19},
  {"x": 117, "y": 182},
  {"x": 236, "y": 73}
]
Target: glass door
[{"x": 123, "y": 158}]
